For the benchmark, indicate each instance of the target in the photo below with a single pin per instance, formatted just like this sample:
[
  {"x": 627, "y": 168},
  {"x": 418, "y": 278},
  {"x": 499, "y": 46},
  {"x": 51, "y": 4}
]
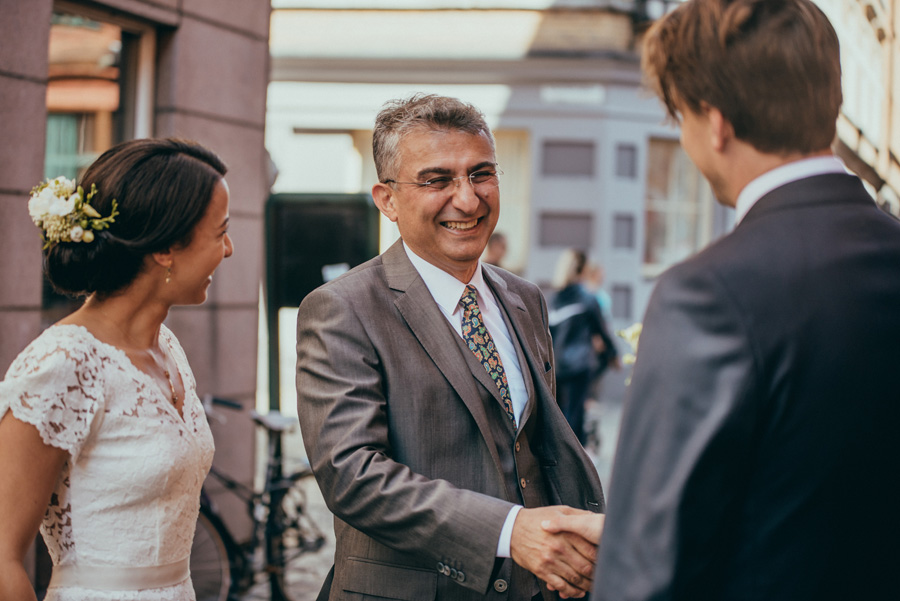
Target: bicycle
[{"x": 222, "y": 568}]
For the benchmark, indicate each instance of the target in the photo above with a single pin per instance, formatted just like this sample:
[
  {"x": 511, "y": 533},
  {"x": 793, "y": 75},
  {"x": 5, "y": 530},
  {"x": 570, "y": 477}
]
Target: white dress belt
[{"x": 120, "y": 578}]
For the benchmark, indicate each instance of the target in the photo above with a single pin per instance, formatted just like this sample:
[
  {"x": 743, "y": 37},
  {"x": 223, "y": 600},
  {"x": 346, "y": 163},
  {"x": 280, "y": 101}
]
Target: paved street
[{"x": 308, "y": 571}]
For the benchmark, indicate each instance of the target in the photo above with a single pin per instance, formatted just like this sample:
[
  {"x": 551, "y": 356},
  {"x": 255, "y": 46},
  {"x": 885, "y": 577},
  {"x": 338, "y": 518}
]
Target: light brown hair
[{"x": 772, "y": 67}]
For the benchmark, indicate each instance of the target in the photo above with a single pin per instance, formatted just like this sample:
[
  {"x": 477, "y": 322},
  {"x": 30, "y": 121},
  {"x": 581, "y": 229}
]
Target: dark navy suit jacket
[{"x": 760, "y": 443}]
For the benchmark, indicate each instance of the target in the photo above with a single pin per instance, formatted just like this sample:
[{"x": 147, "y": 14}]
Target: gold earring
[{"x": 168, "y": 274}]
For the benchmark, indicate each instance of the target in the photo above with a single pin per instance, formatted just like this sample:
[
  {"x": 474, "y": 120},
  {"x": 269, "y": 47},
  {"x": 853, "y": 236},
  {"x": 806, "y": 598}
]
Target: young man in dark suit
[{"x": 759, "y": 445}]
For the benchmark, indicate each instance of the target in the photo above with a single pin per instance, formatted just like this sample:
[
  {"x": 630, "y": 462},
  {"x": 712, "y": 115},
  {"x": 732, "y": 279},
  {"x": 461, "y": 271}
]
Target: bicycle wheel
[
  {"x": 210, "y": 566},
  {"x": 302, "y": 534}
]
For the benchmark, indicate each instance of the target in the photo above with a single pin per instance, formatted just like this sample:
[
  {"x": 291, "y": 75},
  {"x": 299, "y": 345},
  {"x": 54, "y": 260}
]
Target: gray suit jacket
[
  {"x": 759, "y": 443},
  {"x": 407, "y": 437}
]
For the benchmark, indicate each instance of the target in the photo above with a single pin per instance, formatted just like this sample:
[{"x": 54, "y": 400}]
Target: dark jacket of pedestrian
[{"x": 576, "y": 322}]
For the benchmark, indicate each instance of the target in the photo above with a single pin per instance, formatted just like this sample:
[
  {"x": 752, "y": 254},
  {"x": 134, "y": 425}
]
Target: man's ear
[
  {"x": 720, "y": 129},
  {"x": 383, "y": 195}
]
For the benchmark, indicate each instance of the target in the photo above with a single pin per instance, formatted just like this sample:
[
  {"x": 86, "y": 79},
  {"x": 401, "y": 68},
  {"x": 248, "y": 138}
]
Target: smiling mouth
[{"x": 460, "y": 225}]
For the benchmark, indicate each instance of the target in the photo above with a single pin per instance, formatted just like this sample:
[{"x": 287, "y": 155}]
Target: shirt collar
[
  {"x": 445, "y": 288},
  {"x": 782, "y": 175}
]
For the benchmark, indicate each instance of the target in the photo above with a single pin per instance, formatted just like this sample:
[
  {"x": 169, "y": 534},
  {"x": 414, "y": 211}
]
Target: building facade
[
  {"x": 589, "y": 158},
  {"x": 869, "y": 125},
  {"x": 77, "y": 77}
]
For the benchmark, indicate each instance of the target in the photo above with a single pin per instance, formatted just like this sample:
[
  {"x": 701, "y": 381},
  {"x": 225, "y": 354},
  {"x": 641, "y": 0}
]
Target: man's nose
[{"x": 464, "y": 196}]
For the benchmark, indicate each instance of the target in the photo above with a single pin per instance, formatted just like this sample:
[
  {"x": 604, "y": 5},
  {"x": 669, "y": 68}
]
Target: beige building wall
[
  {"x": 869, "y": 124},
  {"x": 209, "y": 77}
]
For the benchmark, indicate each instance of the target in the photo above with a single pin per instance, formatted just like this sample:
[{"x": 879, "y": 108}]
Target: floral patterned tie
[{"x": 475, "y": 333}]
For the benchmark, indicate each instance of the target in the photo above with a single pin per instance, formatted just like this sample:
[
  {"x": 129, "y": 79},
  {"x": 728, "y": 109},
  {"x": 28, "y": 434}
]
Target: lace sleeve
[{"x": 55, "y": 385}]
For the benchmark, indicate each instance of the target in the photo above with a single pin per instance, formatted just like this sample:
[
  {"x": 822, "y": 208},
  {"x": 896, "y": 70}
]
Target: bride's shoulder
[
  {"x": 57, "y": 384},
  {"x": 60, "y": 344}
]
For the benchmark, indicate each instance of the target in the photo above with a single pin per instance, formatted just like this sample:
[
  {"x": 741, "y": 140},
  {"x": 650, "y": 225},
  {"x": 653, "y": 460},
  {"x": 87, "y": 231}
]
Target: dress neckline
[{"x": 123, "y": 358}]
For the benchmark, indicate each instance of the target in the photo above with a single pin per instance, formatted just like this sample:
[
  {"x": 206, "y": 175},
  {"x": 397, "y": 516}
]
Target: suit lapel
[
  {"x": 431, "y": 329},
  {"x": 521, "y": 327}
]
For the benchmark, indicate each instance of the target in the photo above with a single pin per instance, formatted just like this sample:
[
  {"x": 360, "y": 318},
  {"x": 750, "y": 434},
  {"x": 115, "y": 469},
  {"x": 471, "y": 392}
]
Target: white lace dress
[{"x": 130, "y": 492}]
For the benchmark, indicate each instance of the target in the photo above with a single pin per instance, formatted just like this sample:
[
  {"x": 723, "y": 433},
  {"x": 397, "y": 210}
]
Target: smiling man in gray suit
[{"x": 426, "y": 390}]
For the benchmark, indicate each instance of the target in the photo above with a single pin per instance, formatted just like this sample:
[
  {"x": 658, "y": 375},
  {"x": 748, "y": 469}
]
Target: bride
[{"x": 103, "y": 441}]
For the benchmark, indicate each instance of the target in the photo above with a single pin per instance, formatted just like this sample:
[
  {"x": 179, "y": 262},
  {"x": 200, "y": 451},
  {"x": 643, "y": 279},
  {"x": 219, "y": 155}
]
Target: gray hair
[{"x": 430, "y": 111}]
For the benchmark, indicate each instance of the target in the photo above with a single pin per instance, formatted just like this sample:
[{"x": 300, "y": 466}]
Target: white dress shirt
[
  {"x": 446, "y": 291},
  {"x": 780, "y": 176}
]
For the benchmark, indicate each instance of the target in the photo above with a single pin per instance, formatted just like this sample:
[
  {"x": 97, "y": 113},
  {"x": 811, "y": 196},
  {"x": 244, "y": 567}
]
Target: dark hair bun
[
  {"x": 80, "y": 268},
  {"x": 162, "y": 188}
]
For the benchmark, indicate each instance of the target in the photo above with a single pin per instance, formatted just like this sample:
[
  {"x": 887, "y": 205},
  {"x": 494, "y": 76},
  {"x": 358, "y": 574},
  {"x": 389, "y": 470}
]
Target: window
[
  {"x": 678, "y": 208},
  {"x": 330, "y": 162},
  {"x": 621, "y": 301},
  {"x": 623, "y": 231},
  {"x": 566, "y": 229},
  {"x": 99, "y": 93},
  {"x": 654, "y": 9},
  {"x": 568, "y": 159},
  {"x": 626, "y": 161}
]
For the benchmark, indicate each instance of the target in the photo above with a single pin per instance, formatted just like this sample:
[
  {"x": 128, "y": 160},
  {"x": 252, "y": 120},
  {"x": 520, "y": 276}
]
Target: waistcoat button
[
  {"x": 500, "y": 585},
  {"x": 522, "y": 482}
]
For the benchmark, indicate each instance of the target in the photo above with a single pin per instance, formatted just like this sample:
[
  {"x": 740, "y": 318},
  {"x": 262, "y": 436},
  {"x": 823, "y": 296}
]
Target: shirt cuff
[{"x": 506, "y": 533}]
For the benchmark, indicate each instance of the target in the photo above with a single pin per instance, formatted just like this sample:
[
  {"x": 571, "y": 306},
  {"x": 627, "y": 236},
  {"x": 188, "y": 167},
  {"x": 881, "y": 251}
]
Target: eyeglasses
[{"x": 481, "y": 179}]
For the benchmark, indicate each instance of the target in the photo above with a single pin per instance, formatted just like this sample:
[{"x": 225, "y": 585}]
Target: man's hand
[
  {"x": 564, "y": 560},
  {"x": 587, "y": 524}
]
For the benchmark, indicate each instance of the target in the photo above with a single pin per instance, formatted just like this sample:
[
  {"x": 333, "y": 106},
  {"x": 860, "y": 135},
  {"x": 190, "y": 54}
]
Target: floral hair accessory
[{"x": 65, "y": 214}]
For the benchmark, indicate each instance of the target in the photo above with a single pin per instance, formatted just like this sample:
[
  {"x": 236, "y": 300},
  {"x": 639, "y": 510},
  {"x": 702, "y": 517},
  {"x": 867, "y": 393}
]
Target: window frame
[
  {"x": 145, "y": 79},
  {"x": 138, "y": 118},
  {"x": 697, "y": 204}
]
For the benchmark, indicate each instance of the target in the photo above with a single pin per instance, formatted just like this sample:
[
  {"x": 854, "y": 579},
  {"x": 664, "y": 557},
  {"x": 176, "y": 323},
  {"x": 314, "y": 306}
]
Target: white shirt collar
[
  {"x": 782, "y": 175},
  {"x": 445, "y": 288}
]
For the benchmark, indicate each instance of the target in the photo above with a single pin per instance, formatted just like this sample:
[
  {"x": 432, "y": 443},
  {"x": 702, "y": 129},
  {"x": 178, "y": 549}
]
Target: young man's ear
[
  {"x": 383, "y": 195},
  {"x": 720, "y": 129}
]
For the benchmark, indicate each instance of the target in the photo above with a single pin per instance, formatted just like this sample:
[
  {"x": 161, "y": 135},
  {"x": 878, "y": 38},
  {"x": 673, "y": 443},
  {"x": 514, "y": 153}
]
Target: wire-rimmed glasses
[{"x": 481, "y": 179}]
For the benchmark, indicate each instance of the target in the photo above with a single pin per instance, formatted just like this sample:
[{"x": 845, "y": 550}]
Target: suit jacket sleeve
[
  {"x": 343, "y": 405},
  {"x": 685, "y": 435}
]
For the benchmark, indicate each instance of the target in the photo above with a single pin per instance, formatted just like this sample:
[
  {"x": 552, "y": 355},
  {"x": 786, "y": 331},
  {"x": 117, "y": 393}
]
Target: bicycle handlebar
[{"x": 222, "y": 402}]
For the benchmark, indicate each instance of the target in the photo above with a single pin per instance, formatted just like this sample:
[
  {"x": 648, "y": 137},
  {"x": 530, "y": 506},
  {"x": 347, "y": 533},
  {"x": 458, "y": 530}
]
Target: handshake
[{"x": 558, "y": 544}]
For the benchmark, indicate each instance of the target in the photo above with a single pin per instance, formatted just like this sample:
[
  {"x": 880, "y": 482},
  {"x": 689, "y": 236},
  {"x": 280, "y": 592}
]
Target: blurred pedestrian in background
[
  {"x": 594, "y": 277},
  {"x": 495, "y": 250},
  {"x": 581, "y": 342}
]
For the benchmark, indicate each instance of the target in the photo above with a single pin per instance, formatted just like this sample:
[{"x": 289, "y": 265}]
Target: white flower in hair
[
  {"x": 39, "y": 204},
  {"x": 65, "y": 214},
  {"x": 61, "y": 206},
  {"x": 64, "y": 186}
]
